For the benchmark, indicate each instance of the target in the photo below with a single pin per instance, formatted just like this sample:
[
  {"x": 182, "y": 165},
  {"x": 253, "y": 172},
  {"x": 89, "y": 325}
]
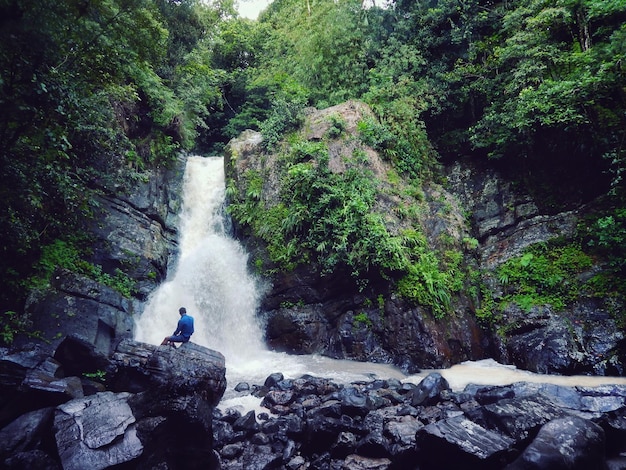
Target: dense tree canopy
[{"x": 85, "y": 88}]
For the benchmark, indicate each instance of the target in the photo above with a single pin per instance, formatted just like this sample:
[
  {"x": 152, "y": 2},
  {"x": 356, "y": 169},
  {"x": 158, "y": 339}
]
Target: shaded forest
[{"x": 96, "y": 94}]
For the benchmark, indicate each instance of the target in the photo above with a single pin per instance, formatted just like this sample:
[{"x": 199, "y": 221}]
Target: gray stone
[
  {"x": 32, "y": 459},
  {"x": 403, "y": 429},
  {"x": 458, "y": 439},
  {"x": 518, "y": 418},
  {"x": 358, "y": 462},
  {"x": 187, "y": 370},
  {"x": 96, "y": 432},
  {"x": 569, "y": 443},
  {"x": 428, "y": 391},
  {"x": 26, "y": 432}
]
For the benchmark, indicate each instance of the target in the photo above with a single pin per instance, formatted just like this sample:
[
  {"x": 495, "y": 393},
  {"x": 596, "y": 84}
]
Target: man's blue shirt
[{"x": 185, "y": 326}]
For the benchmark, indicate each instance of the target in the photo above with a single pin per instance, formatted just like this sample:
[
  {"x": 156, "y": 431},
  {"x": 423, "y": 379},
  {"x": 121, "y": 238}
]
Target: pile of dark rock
[
  {"x": 141, "y": 407},
  {"x": 148, "y": 407},
  {"x": 312, "y": 423}
]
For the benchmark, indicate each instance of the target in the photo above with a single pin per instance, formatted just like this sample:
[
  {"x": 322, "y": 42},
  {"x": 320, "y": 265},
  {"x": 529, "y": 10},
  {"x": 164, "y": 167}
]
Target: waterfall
[{"x": 212, "y": 281}]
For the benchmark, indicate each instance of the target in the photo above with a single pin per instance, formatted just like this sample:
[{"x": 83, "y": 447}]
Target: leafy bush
[
  {"x": 337, "y": 126},
  {"x": 401, "y": 138},
  {"x": 98, "y": 375},
  {"x": 66, "y": 255},
  {"x": 375, "y": 135},
  {"x": 544, "y": 274},
  {"x": 361, "y": 319},
  {"x": 606, "y": 237},
  {"x": 425, "y": 282},
  {"x": 285, "y": 115},
  {"x": 12, "y": 324}
]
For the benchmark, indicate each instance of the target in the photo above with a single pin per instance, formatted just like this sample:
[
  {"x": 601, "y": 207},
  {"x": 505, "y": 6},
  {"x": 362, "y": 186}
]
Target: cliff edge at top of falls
[{"x": 470, "y": 221}]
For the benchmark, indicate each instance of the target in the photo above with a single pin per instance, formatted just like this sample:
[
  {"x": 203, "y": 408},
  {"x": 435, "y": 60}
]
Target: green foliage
[
  {"x": 425, "y": 283},
  {"x": 552, "y": 90},
  {"x": 329, "y": 212},
  {"x": 337, "y": 126},
  {"x": 404, "y": 138},
  {"x": 322, "y": 216},
  {"x": 361, "y": 319},
  {"x": 67, "y": 255},
  {"x": 99, "y": 375},
  {"x": 606, "y": 237},
  {"x": 285, "y": 115},
  {"x": 544, "y": 274},
  {"x": 324, "y": 43},
  {"x": 13, "y": 324},
  {"x": 375, "y": 135}
]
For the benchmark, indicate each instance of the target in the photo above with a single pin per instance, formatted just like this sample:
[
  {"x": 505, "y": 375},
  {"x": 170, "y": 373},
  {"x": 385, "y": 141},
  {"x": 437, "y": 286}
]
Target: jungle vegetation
[{"x": 536, "y": 88}]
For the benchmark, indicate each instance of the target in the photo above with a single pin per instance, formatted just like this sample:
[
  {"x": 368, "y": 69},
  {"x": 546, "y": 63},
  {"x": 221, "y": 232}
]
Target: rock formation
[
  {"x": 134, "y": 229},
  {"x": 149, "y": 407},
  {"x": 386, "y": 424},
  {"x": 306, "y": 312}
]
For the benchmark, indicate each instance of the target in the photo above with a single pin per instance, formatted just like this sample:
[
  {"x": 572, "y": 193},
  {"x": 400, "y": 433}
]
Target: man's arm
[{"x": 178, "y": 329}]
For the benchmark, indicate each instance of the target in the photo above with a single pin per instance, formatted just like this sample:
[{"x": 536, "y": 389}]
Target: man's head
[{"x": 182, "y": 311}]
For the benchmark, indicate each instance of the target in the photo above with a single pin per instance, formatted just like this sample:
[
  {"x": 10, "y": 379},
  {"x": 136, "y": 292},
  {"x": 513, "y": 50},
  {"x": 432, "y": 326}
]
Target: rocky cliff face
[
  {"x": 581, "y": 337},
  {"x": 134, "y": 230},
  {"x": 81, "y": 393},
  {"x": 306, "y": 312}
]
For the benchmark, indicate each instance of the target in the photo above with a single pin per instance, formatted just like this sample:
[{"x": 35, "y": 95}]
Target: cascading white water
[{"x": 212, "y": 281}]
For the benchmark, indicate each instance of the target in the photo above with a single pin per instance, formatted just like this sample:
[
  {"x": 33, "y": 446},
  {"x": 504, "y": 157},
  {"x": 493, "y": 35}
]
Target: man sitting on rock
[{"x": 183, "y": 332}]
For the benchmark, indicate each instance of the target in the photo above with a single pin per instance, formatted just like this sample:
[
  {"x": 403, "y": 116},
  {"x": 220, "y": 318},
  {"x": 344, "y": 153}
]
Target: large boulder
[
  {"x": 447, "y": 443},
  {"x": 156, "y": 413},
  {"x": 570, "y": 443},
  {"x": 188, "y": 370},
  {"x": 429, "y": 390},
  {"x": 27, "y": 433},
  {"x": 97, "y": 432},
  {"x": 307, "y": 311},
  {"x": 582, "y": 339},
  {"x": 30, "y": 380}
]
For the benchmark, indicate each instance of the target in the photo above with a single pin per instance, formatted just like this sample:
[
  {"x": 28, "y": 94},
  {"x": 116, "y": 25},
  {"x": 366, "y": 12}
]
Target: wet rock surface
[
  {"x": 158, "y": 407},
  {"x": 133, "y": 232},
  {"x": 311, "y": 422},
  {"x": 483, "y": 214},
  {"x": 142, "y": 407}
]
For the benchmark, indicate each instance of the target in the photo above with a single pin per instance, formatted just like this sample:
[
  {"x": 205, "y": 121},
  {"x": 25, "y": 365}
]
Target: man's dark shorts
[{"x": 178, "y": 339}]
